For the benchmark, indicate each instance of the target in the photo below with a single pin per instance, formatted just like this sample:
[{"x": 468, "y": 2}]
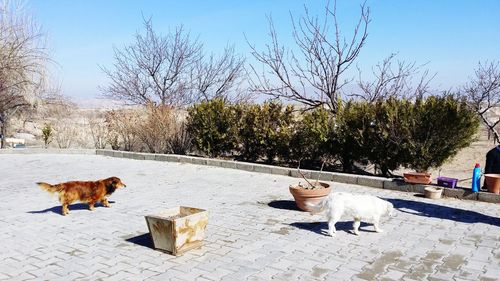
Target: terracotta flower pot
[
  {"x": 492, "y": 182},
  {"x": 418, "y": 178},
  {"x": 303, "y": 196}
]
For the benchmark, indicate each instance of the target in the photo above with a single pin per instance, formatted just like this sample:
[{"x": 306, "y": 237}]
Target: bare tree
[
  {"x": 483, "y": 93},
  {"x": 216, "y": 77},
  {"x": 22, "y": 62},
  {"x": 170, "y": 70},
  {"x": 397, "y": 82},
  {"x": 312, "y": 76}
]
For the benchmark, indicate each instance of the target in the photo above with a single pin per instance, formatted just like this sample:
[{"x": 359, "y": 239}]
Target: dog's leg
[
  {"x": 65, "y": 209},
  {"x": 106, "y": 203},
  {"x": 331, "y": 227},
  {"x": 332, "y": 220},
  {"x": 376, "y": 225},
  {"x": 355, "y": 225},
  {"x": 64, "y": 203},
  {"x": 91, "y": 206}
]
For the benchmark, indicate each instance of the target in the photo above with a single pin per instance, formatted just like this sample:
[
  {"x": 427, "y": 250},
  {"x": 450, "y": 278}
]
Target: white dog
[{"x": 360, "y": 207}]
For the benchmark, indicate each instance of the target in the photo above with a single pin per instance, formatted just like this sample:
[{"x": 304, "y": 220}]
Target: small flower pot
[
  {"x": 178, "y": 229},
  {"x": 492, "y": 182},
  {"x": 303, "y": 196},
  {"x": 433, "y": 192},
  {"x": 417, "y": 178}
]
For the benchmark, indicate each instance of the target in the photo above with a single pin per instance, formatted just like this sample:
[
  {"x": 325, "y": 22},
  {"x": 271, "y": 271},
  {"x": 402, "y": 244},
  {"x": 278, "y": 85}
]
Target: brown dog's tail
[{"x": 49, "y": 187}]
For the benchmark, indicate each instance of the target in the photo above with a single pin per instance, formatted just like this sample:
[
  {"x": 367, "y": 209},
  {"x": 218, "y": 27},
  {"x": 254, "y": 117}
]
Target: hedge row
[{"x": 388, "y": 133}]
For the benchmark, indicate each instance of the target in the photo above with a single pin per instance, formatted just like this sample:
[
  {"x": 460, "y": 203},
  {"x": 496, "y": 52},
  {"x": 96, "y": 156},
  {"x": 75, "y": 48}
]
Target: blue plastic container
[{"x": 476, "y": 178}]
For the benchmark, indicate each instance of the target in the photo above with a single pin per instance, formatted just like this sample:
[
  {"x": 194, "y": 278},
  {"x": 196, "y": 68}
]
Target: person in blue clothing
[{"x": 492, "y": 162}]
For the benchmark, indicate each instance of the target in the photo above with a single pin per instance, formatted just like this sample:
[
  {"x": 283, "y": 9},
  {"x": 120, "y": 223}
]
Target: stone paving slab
[{"x": 254, "y": 231}]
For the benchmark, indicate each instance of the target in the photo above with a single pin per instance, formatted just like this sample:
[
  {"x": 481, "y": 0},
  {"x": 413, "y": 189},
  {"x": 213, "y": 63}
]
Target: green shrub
[
  {"x": 213, "y": 127},
  {"x": 438, "y": 128},
  {"x": 388, "y": 133},
  {"x": 386, "y": 141},
  {"x": 249, "y": 132},
  {"x": 276, "y": 124},
  {"x": 312, "y": 138},
  {"x": 419, "y": 135},
  {"x": 265, "y": 131},
  {"x": 351, "y": 132}
]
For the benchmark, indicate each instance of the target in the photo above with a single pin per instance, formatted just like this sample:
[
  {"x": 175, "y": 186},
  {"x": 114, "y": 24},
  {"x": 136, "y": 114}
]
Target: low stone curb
[
  {"x": 371, "y": 181},
  {"x": 46, "y": 151}
]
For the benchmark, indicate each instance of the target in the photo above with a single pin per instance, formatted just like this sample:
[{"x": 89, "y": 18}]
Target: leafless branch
[
  {"x": 314, "y": 73},
  {"x": 396, "y": 82},
  {"x": 170, "y": 70},
  {"x": 483, "y": 94},
  {"x": 216, "y": 77}
]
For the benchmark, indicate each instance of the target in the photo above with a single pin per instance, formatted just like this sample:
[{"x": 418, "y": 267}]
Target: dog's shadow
[
  {"x": 426, "y": 209},
  {"x": 73, "y": 207},
  {"x": 322, "y": 227}
]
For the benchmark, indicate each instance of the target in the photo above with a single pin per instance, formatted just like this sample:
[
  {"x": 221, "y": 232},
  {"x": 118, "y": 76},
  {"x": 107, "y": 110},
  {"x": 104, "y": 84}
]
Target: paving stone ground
[{"x": 254, "y": 232}]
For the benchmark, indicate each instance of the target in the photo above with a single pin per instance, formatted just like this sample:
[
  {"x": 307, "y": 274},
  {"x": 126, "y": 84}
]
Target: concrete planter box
[{"x": 178, "y": 229}]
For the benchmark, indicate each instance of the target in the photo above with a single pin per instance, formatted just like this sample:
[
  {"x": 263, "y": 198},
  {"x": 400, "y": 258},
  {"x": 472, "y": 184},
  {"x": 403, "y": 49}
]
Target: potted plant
[{"x": 310, "y": 192}]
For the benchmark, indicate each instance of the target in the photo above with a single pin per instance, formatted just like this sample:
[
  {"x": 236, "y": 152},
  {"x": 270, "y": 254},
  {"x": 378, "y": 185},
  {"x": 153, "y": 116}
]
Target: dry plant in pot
[{"x": 309, "y": 192}]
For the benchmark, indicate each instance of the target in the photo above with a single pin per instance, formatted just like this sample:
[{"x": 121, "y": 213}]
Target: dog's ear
[{"x": 110, "y": 186}]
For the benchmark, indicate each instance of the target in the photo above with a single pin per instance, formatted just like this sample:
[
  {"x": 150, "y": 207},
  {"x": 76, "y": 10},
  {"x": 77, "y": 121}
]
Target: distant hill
[{"x": 97, "y": 103}]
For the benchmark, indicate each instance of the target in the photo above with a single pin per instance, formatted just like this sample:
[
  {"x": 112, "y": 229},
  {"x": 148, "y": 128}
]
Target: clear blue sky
[{"x": 450, "y": 35}]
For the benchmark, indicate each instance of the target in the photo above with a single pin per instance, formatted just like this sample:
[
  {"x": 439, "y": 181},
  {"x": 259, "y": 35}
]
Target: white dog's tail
[{"x": 317, "y": 208}]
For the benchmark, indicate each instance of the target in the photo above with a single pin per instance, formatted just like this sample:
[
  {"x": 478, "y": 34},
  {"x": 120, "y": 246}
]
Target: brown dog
[{"x": 90, "y": 192}]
